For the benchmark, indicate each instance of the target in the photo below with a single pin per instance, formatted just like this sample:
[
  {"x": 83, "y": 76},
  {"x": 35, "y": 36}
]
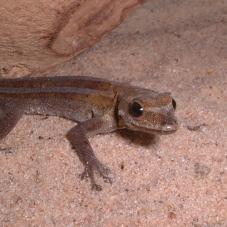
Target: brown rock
[{"x": 35, "y": 35}]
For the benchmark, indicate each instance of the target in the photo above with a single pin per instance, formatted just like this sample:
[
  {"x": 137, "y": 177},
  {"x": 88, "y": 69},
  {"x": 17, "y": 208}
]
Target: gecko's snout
[{"x": 170, "y": 125}]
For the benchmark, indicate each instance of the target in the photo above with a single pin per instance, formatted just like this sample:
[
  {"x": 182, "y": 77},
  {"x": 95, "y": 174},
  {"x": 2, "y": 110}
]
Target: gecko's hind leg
[{"x": 9, "y": 116}]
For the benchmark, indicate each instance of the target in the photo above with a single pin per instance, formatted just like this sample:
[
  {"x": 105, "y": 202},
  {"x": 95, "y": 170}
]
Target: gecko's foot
[
  {"x": 107, "y": 179},
  {"x": 90, "y": 174},
  {"x": 104, "y": 172},
  {"x": 96, "y": 187},
  {"x": 6, "y": 151},
  {"x": 101, "y": 169}
]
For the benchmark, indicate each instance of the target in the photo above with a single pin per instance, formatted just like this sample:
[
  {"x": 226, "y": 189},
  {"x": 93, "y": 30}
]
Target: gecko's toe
[
  {"x": 84, "y": 175},
  {"x": 96, "y": 187},
  {"x": 107, "y": 179},
  {"x": 104, "y": 172},
  {"x": 6, "y": 151}
]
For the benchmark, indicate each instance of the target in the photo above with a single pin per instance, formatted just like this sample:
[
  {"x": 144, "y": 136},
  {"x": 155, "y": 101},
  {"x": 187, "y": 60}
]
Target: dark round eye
[
  {"x": 174, "y": 104},
  {"x": 135, "y": 109}
]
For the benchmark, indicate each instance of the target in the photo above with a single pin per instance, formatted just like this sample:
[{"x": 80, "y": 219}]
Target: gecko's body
[{"x": 98, "y": 106}]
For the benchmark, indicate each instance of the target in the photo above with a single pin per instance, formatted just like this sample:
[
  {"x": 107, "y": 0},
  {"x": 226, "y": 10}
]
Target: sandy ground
[{"x": 177, "y": 46}]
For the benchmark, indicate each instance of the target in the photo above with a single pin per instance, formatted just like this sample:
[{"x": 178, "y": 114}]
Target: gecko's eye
[
  {"x": 135, "y": 109},
  {"x": 174, "y": 104}
]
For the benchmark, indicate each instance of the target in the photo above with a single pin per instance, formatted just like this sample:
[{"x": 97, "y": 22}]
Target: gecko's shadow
[{"x": 139, "y": 138}]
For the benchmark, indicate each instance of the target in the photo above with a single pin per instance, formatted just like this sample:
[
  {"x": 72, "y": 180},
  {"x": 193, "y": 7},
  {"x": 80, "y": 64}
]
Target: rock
[{"x": 36, "y": 35}]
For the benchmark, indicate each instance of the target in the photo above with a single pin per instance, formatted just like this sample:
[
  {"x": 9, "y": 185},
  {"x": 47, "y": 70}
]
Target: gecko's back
[
  {"x": 59, "y": 81},
  {"x": 75, "y": 98}
]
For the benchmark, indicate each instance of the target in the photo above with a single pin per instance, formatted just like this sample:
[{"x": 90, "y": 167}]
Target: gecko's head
[{"x": 148, "y": 112}]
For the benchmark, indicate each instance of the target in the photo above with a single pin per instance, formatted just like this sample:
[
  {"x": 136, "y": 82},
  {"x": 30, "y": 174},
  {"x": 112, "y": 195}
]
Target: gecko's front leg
[{"x": 78, "y": 137}]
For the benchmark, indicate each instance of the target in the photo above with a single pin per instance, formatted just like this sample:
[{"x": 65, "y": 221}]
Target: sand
[{"x": 176, "y": 46}]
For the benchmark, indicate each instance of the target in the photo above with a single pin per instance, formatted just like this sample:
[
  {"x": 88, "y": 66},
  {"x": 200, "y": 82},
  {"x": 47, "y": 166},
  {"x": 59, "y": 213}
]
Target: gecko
[{"x": 96, "y": 105}]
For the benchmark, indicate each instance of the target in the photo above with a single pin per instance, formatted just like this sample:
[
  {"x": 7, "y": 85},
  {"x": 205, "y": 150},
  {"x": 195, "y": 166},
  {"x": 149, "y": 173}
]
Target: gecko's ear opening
[
  {"x": 174, "y": 104},
  {"x": 122, "y": 113}
]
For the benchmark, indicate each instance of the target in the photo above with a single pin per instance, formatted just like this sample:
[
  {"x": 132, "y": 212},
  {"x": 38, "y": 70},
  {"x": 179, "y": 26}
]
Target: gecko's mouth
[
  {"x": 160, "y": 131},
  {"x": 164, "y": 130},
  {"x": 154, "y": 131}
]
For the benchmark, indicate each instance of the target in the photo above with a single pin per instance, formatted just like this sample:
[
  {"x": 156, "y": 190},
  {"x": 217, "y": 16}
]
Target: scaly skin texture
[{"x": 98, "y": 106}]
